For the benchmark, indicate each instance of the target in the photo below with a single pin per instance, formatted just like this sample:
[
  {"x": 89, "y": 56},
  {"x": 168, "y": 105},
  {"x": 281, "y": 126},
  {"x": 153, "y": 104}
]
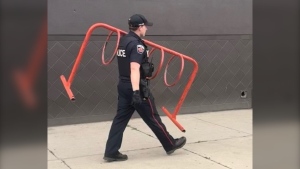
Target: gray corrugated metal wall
[{"x": 217, "y": 33}]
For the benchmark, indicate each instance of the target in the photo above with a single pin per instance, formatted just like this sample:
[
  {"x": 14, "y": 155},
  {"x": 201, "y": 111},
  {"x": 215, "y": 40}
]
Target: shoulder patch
[{"x": 140, "y": 49}]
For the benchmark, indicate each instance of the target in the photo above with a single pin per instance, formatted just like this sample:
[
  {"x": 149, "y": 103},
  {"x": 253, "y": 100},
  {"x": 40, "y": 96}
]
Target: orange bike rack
[{"x": 67, "y": 83}]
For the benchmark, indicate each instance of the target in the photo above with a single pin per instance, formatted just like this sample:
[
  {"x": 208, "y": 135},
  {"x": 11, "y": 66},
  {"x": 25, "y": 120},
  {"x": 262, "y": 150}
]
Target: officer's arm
[
  {"x": 136, "y": 57},
  {"x": 135, "y": 75}
]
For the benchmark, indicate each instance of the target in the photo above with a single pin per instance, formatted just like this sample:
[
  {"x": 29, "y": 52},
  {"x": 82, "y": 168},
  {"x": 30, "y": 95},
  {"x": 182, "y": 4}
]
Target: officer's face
[{"x": 143, "y": 30}]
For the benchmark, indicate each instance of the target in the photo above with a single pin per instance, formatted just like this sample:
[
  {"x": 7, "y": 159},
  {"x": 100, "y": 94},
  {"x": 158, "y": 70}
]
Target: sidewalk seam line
[
  {"x": 53, "y": 154},
  {"x": 219, "y": 139},
  {"x": 221, "y": 125},
  {"x": 133, "y": 128},
  {"x": 207, "y": 158},
  {"x": 59, "y": 159},
  {"x": 66, "y": 164}
]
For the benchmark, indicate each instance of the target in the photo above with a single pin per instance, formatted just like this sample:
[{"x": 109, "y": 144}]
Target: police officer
[{"x": 134, "y": 93}]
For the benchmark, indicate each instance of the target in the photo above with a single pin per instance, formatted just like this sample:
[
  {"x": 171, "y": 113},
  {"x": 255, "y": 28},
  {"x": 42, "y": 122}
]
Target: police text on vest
[{"x": 121, "y": 53}]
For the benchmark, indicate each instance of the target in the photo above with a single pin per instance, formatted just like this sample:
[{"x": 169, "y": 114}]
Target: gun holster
[
  {"x": 144, "y": 88},
  {"x": 147, "y": 69}
]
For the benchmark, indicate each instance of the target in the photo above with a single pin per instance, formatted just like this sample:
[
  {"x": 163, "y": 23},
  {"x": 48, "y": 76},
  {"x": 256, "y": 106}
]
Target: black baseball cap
[{"x": 137, "y": 20}]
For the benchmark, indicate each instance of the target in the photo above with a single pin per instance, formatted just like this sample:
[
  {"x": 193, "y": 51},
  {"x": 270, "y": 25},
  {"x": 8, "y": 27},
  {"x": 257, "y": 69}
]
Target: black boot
[
  {"x": 116, "y": 157},
  {"x": 179, "y": 142}
]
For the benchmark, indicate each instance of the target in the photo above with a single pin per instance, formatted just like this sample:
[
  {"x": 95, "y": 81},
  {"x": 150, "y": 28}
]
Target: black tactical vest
[{"x": 146, "y": 68}]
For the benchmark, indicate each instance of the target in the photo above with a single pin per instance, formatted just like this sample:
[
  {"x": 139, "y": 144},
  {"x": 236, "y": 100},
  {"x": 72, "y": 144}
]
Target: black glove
[{"x": 136, "y": 98}]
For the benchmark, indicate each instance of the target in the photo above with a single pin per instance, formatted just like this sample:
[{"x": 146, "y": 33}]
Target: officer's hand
[{"x": 136, "y": 98}]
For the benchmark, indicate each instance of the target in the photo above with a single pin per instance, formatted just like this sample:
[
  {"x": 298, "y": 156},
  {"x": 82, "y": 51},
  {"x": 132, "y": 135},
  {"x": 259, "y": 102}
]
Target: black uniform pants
[{"x": 148, "y": 112}]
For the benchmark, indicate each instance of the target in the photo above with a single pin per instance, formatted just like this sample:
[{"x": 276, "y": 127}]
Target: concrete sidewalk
[{"x": 215, "y": 140}]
